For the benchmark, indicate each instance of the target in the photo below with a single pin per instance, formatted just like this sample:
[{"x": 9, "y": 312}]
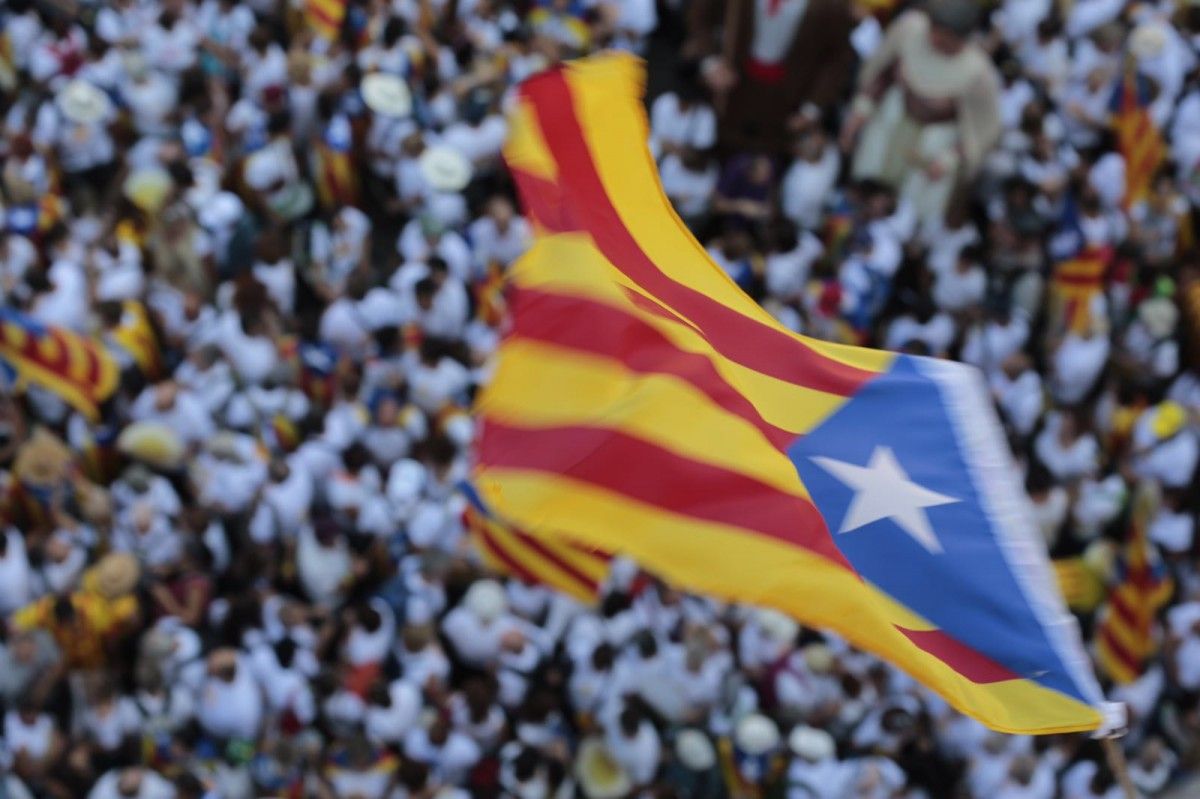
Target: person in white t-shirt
[
  {"x": 682, "y": 119},
  {"x": 229, "y": 703}
]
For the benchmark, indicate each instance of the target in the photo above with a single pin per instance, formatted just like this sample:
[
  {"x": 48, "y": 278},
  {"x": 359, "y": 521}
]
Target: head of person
[{"x": 951, "y": 23}]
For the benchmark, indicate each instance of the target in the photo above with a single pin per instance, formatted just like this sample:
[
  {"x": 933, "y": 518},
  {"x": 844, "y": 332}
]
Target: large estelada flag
[
  {"x": 642, "y": 403},
  {"x": 566, "y": 566},
  {"x": 79, "y": 370},
  {"x": 1125, "y": 635}
]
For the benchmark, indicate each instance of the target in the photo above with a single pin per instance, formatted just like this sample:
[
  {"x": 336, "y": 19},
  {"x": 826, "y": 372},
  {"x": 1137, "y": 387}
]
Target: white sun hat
[
  {"x": 695, "y": 750},
  {"x": 756, "y": 734},
  {"x": 811, "y": 744},
  {"x": 445, "y": 168},
  {"x": 386, "y": 94},
  {"x": 82, "y": 102}
]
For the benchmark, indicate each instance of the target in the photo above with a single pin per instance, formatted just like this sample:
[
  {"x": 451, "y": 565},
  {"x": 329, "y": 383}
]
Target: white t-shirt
[
  {"x": 955, "y": 290},
  {"x": 153, "y": 786},
  {"x": 806, "y": 186},
  {"x": 234, "y": 709},
  {"x": 670, "y": 123},
  {"x": 478, "y": 144},
  {"x": 489, "y": 244},
  {"x": 1066, "y": 461},
  {"x": 639, "y": 755},
  {"x": 937, "y": 332},
  {"x": 1076, "y": 365},
  {"x": 15, "y": 584},
  {"x": 690, "y": 191}
]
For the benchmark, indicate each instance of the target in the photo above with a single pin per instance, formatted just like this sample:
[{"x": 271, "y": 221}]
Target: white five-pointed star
[{"x": 882, "y": 490}]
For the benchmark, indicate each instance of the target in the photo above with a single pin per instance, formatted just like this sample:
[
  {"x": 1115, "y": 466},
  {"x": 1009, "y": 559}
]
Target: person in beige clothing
[{"x": 927, "y": 110}]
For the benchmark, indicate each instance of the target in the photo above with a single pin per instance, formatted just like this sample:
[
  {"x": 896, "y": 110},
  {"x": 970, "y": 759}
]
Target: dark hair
[
  {"x": 64, "y": 608},
  {"x": 285, "y": 652}
]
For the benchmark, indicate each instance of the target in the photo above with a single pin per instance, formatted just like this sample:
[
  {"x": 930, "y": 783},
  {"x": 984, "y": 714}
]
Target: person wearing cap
[
  {"x": 750, "y": 760},
  {"x": 479, "y": 626},
  {"x": 929, "y": 130},
  {"x": 692, "y": 769},
  {"x": 1165, "y": 447},
  {"x": 815, "y": 772}
]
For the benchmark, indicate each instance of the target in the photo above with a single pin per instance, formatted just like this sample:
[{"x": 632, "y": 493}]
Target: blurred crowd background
[{"x": 247, "y": 571}]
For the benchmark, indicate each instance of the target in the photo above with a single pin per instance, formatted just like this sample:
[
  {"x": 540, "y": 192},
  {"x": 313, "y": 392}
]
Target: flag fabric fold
[
  {"x": 564, "y": 565},
  {"x": 642, "y": 403}
]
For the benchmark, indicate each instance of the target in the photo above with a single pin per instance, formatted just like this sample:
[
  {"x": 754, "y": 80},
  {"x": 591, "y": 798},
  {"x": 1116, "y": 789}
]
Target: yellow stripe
[
  {"x": 1113, "y": 666},
  {"x": 614, "y": 133},
  {"x": 1135, "y": 643},
  {"x": 540, "y": 385},
  {"x": 783, "y": 404},
  {"x": 593, "y": 565},
  {"x": 759, "y": 570},
  {"x": 526, "y": 149}
]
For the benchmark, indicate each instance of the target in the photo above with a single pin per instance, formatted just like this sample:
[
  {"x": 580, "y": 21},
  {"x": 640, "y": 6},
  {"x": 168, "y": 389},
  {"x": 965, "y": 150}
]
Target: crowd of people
[{"x": 247, "y": 573}]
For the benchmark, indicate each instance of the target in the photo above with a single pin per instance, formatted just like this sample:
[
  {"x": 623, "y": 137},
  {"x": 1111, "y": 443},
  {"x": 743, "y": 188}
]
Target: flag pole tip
[{"x": 1114, "y": 720}]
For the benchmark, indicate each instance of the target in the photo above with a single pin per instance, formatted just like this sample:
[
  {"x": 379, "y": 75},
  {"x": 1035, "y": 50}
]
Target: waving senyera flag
[
  {"x": 564, "y": 565},
  {"x": 643, "y": 404},
  {"x": 79, "y": 370}
]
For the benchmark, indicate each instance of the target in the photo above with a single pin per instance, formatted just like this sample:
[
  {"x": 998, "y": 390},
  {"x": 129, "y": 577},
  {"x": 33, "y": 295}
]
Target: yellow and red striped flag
[
  {"x": 77, "y": 369},
  {"x": 1076, "y": 283},
  {"x": 1138, "y": 138},
  {"x": 566, "y": 566},
  {"x": 641, "y": 403},
  {"x": 1125, "y": 634},
  {"x": 325, "y": 17}
]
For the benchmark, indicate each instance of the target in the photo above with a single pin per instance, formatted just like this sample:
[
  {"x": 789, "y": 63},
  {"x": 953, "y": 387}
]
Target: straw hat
[
  {"x": 445, "y": 168},
  {"x": 148, "y": 188},
  {"x": 152, "y": 443},
  {"x": 82, "y": 102},
  {"x": 43, "y": 461},
  {"x": 819, "y": 658},
  {"x": 116, "y": 575},
  {"x": 386, "y": 94},
  {"x": 756, "y": 734},
  {"x": 695, "y": 750},
  {"x": 600, "y": 776},
  {"x": 811, "y": 744}
]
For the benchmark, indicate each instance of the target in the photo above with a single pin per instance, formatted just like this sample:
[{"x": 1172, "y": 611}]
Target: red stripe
[
  {"x": 647, "y": 473},
  {"x": 322, "y": 18},
  {"x": 1118, "y": 650},
  {"x": 1123, "y": 611},
  {"x": 753, "y": 344},
  {"x": 975, "y": 666},
  {"x": 514, "y": 567},
  {"x": 552, "y": 558},
  {"x": 613, "y": 333},
  {"x": 544, "y": 203}
]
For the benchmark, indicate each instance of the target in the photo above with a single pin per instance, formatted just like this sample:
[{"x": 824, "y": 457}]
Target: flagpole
[{"x": 1120, "y": 769}]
